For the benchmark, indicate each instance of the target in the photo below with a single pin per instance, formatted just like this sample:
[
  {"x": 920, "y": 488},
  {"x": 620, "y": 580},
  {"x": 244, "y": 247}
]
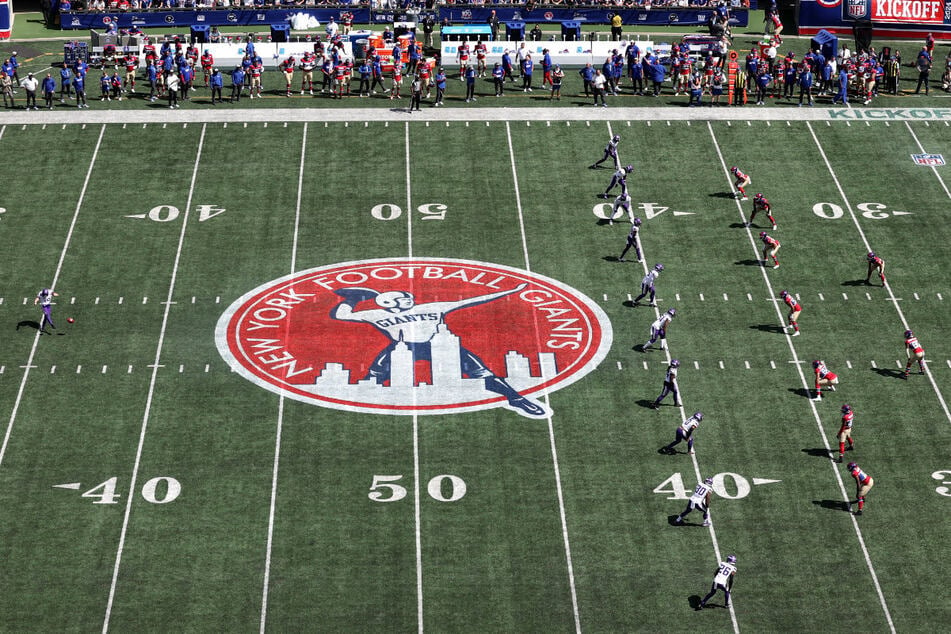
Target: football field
[{"x": 219, "y": 441}]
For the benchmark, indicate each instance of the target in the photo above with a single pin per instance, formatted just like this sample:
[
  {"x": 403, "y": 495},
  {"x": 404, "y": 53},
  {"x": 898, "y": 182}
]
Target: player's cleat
[
  {"x": 817, "y": 399},
  {"x": 774, "y": 227},
  {"x": 904, "y": 374},
  {"x": 706, "y": 523},
  {"x": 678, "y": 520},
  {"x": 691, "y": 452},
  {"x": 655, "y": 405},
  {"x": 795, "y": 334},
  {"x": 745, "y": 198},
  {"x": 776, "y": 266},
  {"x": 701, "y": 605},
  {"x": 839, "y": 459},
  {"x": 859, "y": 512}
]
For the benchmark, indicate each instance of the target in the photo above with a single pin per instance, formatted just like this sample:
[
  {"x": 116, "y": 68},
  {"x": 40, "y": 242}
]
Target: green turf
[{"x": 495, "y": 560}]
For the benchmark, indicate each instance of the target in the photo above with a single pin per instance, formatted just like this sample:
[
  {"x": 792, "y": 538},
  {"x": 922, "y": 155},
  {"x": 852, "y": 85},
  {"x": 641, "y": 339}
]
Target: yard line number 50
[{"x": 442, "y": 488}]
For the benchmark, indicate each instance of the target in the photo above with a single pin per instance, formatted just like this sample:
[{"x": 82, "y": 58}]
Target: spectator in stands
[
  {"x": 616, "y": 24},
  {"x": 535, "y": 34},
  {"x": 493, "y": 22},
  {"x": 429, "y": 25}
]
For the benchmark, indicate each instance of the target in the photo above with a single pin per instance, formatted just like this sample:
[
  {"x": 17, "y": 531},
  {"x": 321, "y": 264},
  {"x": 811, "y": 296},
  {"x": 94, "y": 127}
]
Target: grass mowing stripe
[
  {"x": 868, "y": 247},
  {"x": 802, "y": 377},
  {"x": 551, "y": 428},
  {"x": 151, "y": 394},
  {"x": 416, "y": 501},
  {"x": 280, "y": 404},
  {"x": 693, "y": 457},
  {"x": 59, "y": 268},
  {"x": 933, "y": 168}
]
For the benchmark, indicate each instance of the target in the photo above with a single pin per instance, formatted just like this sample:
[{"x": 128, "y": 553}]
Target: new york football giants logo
[{"x": 415, "y": 336}]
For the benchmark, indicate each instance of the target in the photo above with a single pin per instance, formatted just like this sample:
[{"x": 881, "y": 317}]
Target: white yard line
[
  {"x": 280, "y": 407},
  {"x": 417, "y": 510},
  {"x": 551, "y": 428},
  {"x": 802, "y": 377},
  {"x": 683, "y": 415},
  {"x": 59, "y": 268},
  {"x": 868, "y": 247},
  {"x": 133, "y": 483}
]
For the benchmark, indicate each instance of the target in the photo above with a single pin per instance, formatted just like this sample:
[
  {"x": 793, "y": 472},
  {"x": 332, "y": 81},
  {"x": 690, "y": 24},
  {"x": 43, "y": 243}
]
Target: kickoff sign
[{"x": 922, "y": 12}]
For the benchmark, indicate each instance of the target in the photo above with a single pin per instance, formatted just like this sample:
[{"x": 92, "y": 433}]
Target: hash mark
[
  {"x": 696, "y": 365},
  {"x": 120, "y": 300},
  {"x": 549, "y": 123},
  {"x": 939, "y": 297},
  {"x": 947, "y": 360},
  {"x": 688, "y": 124},
  {"x": 104, "y": 369},
  {"x": 145, "y": 300},
  {"x": 629, "y": 298},
  {"x": 772, "y": 364},
  {"x": 130, "y": 370},
  {"x": 898, "y": 363},
  {"x": 821, "y": 298},
  {"x": 849, "y": 124},
  {"x": 747, "y": 364},
  {"x": 218, "y": 300},
  {"x": 645, "y": 364},
  {"x": 768, "y": 125},
  {"x": 619, "y": 366},
  {"x": 72, "y": 300},
  {"x": 848, "y": 364},
  {"x": 916, "y": 295},
  {"x": 605, "y": 296},
  {"x": 193, "y": 299},
  {"x": 207, "y": 367},
  {"x": 97, "y": 301},
  {"x": 725, "y": 298},
  {"x": 701, "y": 297},
  {"x": 24, "y": 301},
  {"x": 79, "y": 368},
  {"x": 181, "y": 369},
  {"x": 3, "y": 367},
  {"x": 749, "y": 297},
  {"x": 845, "y": 297},
  {"x": 873, "y": 364},
  {"x": 868, "y": 297},
  {"x": 52, "y": 369},
  {"x": 677, "y": 296},
  {"x": 721, "y": 365}
]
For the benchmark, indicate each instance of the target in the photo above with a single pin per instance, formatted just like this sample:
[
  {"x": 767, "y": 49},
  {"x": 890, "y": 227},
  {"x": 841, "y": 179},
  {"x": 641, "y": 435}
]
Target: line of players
[{"x": 700, "y": 498}]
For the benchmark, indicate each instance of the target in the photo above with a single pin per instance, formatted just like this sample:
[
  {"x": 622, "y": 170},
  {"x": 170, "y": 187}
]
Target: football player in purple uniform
[
  {"x": 647, "y": 284},
  {"x": 699, "y": 501},
  {"x": 685, "y": 432},
  {"x": 619, "y": 178},
  {"x": 670, "y": 385},
  {"x": 722, "y": 580},
  {"x": 45, "y": 299},
  {"x": 632, "y": 240},
  {"x": 659, "y": 330},
  {"x": 610, "y": 152}
]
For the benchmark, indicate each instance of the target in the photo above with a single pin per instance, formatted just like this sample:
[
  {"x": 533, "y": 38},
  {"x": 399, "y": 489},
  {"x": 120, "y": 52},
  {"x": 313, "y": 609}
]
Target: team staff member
[
  {"x": 699, "y": 501},
  {"x": 498, "y": 78},
  {"x": 761, "y": 204},
  {"x": 722, "y": 580},
  {"x": 915, "y": 353},
  {"x": 845, "y": 431},
  {"x": 875, "y": 263},
  {"x": 685, "y": 432},
  {"x": 770, "y": 247},
  {"x": 794, "y": 309},
  {"x": 670, "y": 385},
  {"x": 557, "y": 76},
  {"x": 824, "y": 378},
  {"x": 470, "y": 84},
  {"x": 30, "y": 84},
  {"x": 217, "y": 82},
  {"x": 237, "y": 84},
  {"x": 440, "y": 86},
  {"x": 863, "y": 484},
  {"x": 49, "y": 90}
]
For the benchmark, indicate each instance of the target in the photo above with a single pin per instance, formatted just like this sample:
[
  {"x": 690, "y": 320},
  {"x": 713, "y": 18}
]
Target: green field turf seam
[
  {"x": 559, "y": 490},
  {"x": 156, "y": 364},
  {"x": 711, "y": 527},
  {"x": 797, "y": 363}
]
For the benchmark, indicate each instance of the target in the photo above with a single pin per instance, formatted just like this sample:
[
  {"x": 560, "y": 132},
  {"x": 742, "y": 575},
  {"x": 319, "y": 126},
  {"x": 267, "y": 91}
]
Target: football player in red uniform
[
  {"x": 915, "y": 353},
  {"x": 742, "y": 181},
  {"x": 845, "y": 431},
  {"x": 794, "y": 309},
  {"x": 824, "y": 378},
  {"x": 770, "y": 247},
  {"x": 761, "y": 204},
  {"x": 875, "y": 263},
  {"x": 863, "y": 483}
]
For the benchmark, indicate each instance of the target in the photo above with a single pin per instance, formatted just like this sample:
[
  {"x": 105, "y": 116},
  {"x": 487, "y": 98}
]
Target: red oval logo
[{"x": 415, "y": 336}]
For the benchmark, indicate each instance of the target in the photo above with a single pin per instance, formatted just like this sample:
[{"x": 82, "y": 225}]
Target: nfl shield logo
[
  {"x": 857, "y": 8},
  {"x": 929, "y": 160}
]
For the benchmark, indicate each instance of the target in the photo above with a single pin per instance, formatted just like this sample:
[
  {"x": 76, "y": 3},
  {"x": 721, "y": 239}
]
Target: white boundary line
[
  {"x": 280, "y": 407},
  {"x": 802, "y": 377},
  {"x": 151, "y": 394},
  {"x": 683, "y": 415},
  {"x": 551, "y": 428},
  {"x": 417, "y": 511},
  {"x": 59, "y": 268},
  {"x": 868, "y": 247}
]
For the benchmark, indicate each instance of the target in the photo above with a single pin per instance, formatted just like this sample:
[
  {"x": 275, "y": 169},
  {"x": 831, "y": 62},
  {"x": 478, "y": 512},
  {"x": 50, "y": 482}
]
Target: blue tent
[{"x": 826, "y": 43}]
